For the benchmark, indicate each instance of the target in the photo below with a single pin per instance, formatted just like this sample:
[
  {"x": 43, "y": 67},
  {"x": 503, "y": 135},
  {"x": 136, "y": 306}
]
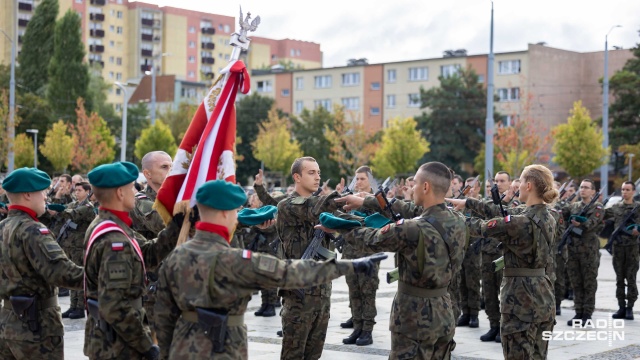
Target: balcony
[
  {"x": 98, "y": 2},
  {"x": 96, "y": 33},
  {"x": 147, "y": 53},
  {"x": 20, "y": 39},
  {"x": 156, "y": 38},
  {"x": 23, "y": 22},
  {"x": 25, "y": 6},
  {"x": 208, "y": 45},
  {"x": 144, "y": 67},
  {"x": 208, "y": 75},
  {"x": 208, "y": 60},
  {"x": 96, "y": 48},
  {"x": 157, "y": 23},
  {"x": 91, "y": 62},
  {"x": 147, "y": 22},
  {"x": 147, "y": 37},
  {"x": 96, "y": 17},
  {"x": 208, "y": 30}
]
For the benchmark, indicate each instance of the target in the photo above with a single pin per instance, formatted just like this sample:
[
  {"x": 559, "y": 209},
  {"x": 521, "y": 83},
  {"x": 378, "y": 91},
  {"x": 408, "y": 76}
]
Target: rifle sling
[{"x": 432, "y": 220}]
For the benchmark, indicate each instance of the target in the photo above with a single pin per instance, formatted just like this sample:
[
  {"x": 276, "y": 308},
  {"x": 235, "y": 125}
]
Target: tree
[
  {"x": 58, "y": 146},
  {"x": 23, "y": 148},
  {"x": 178, "y": 120},
  {"x": 93, "y": 143},
  {"x": 37, "y": 47},
  {"x": 455, "y": 121},
  {"x": 5, "y": 143},
  {"x": 402, "y": 146},
  {"x": 625, "y": 108},
  {"x": 635, "y": 166},
  {"x": 351, "y": 144},
  {"x": 251, "y": 111},
  {"x": 274, "y": 145},
  {"x": 154, "y": 138},
  {"x": 137, "y": 120},
  {"x": 97, "y": 99},
  {"x": 578, "y": 143},
  {"x": 68, "y": 74},
  {"x": 310, "y": 130}
]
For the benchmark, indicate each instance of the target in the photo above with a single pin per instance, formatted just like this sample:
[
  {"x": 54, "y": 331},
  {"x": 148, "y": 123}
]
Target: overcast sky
[{"x": 397, "y": 30}]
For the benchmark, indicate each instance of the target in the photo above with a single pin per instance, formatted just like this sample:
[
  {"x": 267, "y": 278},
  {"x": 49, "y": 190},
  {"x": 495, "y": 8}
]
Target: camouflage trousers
[
  {"x": 405, "y": 347},
  {"x": 470, "y": 281},
  {"x": 77, "y": 296},
  {"x": 270, "y": 297},
  {"x": 558, "y": 285},
  {"x": 50, "y": 348},
  {"x": 523, "y": 340},
  {"x": 304, "y": 326},
  {"x": 491, "y": 281},
  {"x": 626, "y": 262},
  {"x": 149, "y": 301},
  {"x": 582, "y": 267},
  {"x": 454, "y": 293},
  {"x": 362, "y": 299}
]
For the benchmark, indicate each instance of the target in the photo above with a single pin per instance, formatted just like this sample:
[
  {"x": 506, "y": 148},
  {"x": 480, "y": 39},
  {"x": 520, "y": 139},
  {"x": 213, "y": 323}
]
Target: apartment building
[{"x": 539, "y": 83}]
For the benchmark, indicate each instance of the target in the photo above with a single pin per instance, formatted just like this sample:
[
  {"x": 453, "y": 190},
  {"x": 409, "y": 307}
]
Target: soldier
[
  {"x": 32, "y": 265},
  {"x": 62, "y": 192},
  {"x": 456, "y": 185},
  {"x": 115, "y": 262},
  {"x": 77, "y": 178},
  {"x": 625, "y": 251},
  {"x": 201, "y": 315},
  {"x": 527, "y": 293},
  {"x": 560, "y": 261},
  {"x": 584, "y": 252},
  {"x": 430, "y": 249}
]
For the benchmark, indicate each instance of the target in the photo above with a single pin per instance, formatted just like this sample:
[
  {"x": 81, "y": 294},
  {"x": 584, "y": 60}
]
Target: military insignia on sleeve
[
  {"x": 507, "y": 218},
  {"x": 400, "y": 222},
  {"x": 44, "y": 231},
  {"x": 385, "y": 229},
  {"x": 267, "y": 263},
  {"x": 597, "y": 214},
  {"x": 492, "y": 224},
  {"x": 117, "y": 246},
  {"x": 599, "y": 207},
  {"x": 246, "y": 254},
  {"x": 561, "y": 220}
]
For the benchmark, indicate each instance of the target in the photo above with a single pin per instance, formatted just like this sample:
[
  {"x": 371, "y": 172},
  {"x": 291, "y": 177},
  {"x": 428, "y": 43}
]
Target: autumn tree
[
  {"x": 351, "y": 143},
  {"x": 274, "y": 145},
  {"x": 58, "y": 146},
  {"x": 93, "y": 143},
  {"x": 401, "y": 148},
  {"x": 178, "y": 120},
  {"x": 23, "y": 149},
  {"x": 625, "y": 150},
  {"x": 251, "y": 111},
  {"x": 5, "y": 143},
  {"x": 157, "y": 137},
  {"x": 309, "y": 129},
  {"x": 578, "y": 143}
]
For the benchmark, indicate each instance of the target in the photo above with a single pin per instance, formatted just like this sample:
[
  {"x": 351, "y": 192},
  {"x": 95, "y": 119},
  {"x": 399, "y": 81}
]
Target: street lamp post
[
  {"x": 489, "y": 122},
  {"x": 153, "y": 85},
  {"x": 35, "y": 146},
  {"x": 604, "y": 169},
  {"x": 12, "y": 102},
  {"x": 123, "y": 136},
  {"x": 631, "y": 166}
]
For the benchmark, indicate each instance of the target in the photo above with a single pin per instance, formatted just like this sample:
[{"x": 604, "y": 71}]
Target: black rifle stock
[
  {"x": 316, "y": 251},
  {"x": 620, "y": 229},
  {"x": 566, "y": 237}
]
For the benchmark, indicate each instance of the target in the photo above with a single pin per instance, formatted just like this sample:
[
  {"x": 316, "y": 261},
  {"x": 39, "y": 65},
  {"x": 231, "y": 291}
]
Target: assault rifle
[
  {"x": 63, "y": 231},
  {"x": 620, "y": 229},
  {"x": 381, "y": 196},
  {"x": 316, "y": 251},
  {"x": 566, "y": 237},
  {"x": 468, "y": 188},
  {"x": 563, "y": 188},
  {"x": 319, "y": 191}
]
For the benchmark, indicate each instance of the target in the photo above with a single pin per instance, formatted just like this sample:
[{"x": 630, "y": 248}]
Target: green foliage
[
  {"x": 310, "y": 130},
  {"x": 402, "y": 146},
  {"x": 68, "y": 74},
  {"x": 178, "y": 120},
  {"x": 578, "y": 143},
  {"x": 37, "y": 47},
  {"x": 251, "y": 111},
  {"x": 5, "y": 143},
  {"x": 156, "y": 138},
  {"x": 478, "y": 162},
  {"x": 137, "y": 120},
  {"x": 93, "y": 142},
  {"x": 624, "y": 111},
  {"x": 352, "y": 145},
  {"x": 97, "y": 99},
  {"x": 58, "y": 146},
  {"x": 274, "y": 145},
  {"x": 23, "y": 149}
]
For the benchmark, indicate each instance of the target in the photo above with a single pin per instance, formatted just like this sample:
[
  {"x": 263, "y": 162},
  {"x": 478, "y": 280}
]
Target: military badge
[
  {"x": 246, "y": 254},
  {"x": 492, "y": 224},
  {"x": 507, "y": 218},
  {"x": 400, "y": 222},
  {"x": 117, "y": 246},
  {"x": 385, "y": 229},
  {"x": 44, "y": 231}
]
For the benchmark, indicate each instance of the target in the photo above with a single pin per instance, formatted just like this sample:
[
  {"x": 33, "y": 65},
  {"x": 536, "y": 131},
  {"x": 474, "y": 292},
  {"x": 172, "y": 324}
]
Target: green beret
[
  {"x": 359, "y": 213},
  {"x": 577, "y": 218},
  {"x": 26, "y": 180},
  {"x": 221, "y": 195},
  {"x": 3, "y": 205},
  {"x": 252, "y": 217},
  {"x": 376, "y": 221},
  {"x": 632, "y": 226},
  {"x": 113, "y": 175},
  {"x": 331, "y": 221},
  {"x": 56, "y": 207}
]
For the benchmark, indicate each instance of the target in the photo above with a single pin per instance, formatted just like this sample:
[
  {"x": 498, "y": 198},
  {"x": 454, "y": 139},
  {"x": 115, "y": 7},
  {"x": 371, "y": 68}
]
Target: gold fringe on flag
[
  {"x": 183, "y": 207},
  {"x": 162, "y": 211}
]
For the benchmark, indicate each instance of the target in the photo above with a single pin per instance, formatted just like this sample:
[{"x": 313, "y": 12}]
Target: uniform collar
[
  {"x": 24, "y": 209},
  {"x": 122, "y": 215},
  {"x": 214, "y": 228}
]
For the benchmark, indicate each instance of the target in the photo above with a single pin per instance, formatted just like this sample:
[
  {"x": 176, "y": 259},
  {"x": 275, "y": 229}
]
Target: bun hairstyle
[{"x": 542, "y": 179}]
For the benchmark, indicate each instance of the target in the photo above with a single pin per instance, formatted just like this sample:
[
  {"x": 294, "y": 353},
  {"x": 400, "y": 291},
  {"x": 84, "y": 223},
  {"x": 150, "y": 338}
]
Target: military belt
[
  {"x": 232, "y": 320},
  {"x": 136, "y": 303},
  {"x": 407, "y": 289},
  {"x": 42, "y": 304},
  {"x": 515, "y": 272}
]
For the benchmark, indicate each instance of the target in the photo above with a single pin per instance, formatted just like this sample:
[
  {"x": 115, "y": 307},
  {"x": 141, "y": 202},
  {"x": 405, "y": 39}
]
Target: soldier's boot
[
  {"x": 279, "y": 333},
  {"x": 473, "y": 321},
  {"x": 558, "y": 310},
  {"x": 586, "y": 318},
  {"x": 351, "y": 339},
  {"x": 482, "y": 304},
  {"x": 620, "y": 314},
  {"x": 347, "y": 324},
  {"x": 77, "y": 313},
  {"x": 278, "y": 303},
  {"x": 629, "y": 314},
  {"x": 65, "y": 315},
  {"x": 570, "y": 297},
  {"x": 260, "y": 311},
  {"x": 498, "y": 338},
  {"x": 63, "y": 292},
  {"x": 491, "y": 334},
  {"x": 463, "y": 320},
  {"x": 364, "y": 339},
  {"x": 269, "y": 311},
  {"x": 577, "y": 317}
]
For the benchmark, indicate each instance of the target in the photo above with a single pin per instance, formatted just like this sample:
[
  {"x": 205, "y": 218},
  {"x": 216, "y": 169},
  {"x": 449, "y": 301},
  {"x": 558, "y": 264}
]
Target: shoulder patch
[
  {"x": 44, "y": 231},
  {"x": 267, "y": 264},
  {"x": 400, "y": 222},
  {"x": 599, "y": 207},
  {"x": 141, "y": 195},
  {"x": 298, "y": 200},
  {"x": 118, "y": 270},
  {"x": 561, "y": 220},
  {"x": 385, "y": 229},
  {"x": 507, "y": 218},
  {"x": 246, "y": 254},
  {"x": 117, "y": 246},
  {"x": 492, "y": 224}
]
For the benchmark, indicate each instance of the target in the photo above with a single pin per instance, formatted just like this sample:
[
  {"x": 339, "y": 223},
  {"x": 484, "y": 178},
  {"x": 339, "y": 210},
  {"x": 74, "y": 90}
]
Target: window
[
  {"x": 146, "y": 31},
  {"x": 419, "y": 74},
  {"x": 227, "y": 57},
  {"x": 509, "y": 94},
  {"x": 265, "y": 86},
  {"x": 205, "y": 24},
  {"x": 480, "y": 79},
  {"x": 110, "y": 74},
  {"x": 192, "y": 59},
  {"x": 118, "y": 107},
  {"x": 192, "y": 29},
  {"x": 119, "y": 61},
  {"x": 299, "y": 106},
  {"x": 292, "y": 52},
  {"x": 325, "y": 103},
  {"x": 78, "y": 1},
  {"x": 227, "y": 29},
  {"x": 391, "y": 101},
  {"x": 322, "y": 82},
  {"x": 351, "y": 103},
  {"x": 119, "y": 30},
  {"x": 111, "y": 59},
  {"x": 351, "y": 79},
  {"x": 119, "y": 14},
  {"x": 375, "y": 85},
  {"x": 192, "y": 44},
  {"x": 299, "y": 83},
  {"x": 449, "y": 70},
  {"x": 285, "y": 92},
  {"x": 391, "y": 76},
  {"x": 374, "y": 111},
  {"x": 206, "y": 54},
  {"x": 509, "y": 67},
  {"x": 188, "y": 92},
  {"x": 192, "y": 74},
  {"x": 118, "y": 91},
  {"x": 112, "y": 12},
  {"x": 146, "y": 47},
  {"x": 146, "y": 15},
  {"x": 298, "y": 52},
  {"x": 118, "y": 76},
  {"x": 509, "y": 120},
  {"x": 112, "y": 43},
  {"x": 112, "y": 28},
  {"x": 414, "y": 100}
]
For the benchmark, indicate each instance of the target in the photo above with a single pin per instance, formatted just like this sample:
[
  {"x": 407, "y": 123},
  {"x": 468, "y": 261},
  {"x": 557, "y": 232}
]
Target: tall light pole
[
  {"x": 604, "y": 169},
  {"x": 12, "y": 99},
  {"x": 631, "y": 166},
  {"x": 153, "y": 86},
  {"x": 489, "y": 124},
  {"x": 35, "y": 146},
  {"x": 123, "y": 136}
]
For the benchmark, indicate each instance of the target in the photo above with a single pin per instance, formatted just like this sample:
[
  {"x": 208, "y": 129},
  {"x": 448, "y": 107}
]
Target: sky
[{"x": 398, "y": 30}]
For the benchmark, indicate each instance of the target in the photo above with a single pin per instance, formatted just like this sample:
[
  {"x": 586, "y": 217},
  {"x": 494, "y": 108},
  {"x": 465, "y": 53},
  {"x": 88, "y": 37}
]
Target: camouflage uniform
[
  {"x": 560, "y": 259},
  {"x": 470, "y": 277},
  {"x": 32, "y": 263},
  {"x": 304, "y": 321},
  {"x": 625, "y": 254},
  {"x": 259, "y": 240},
  {"x": 584, "y": 257},
  {"x": 114, "y": 277},
  {"x": 422, "y": 322},
  {"x": 206, "y": 272},
  {"x": 527, "y": 300}
]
